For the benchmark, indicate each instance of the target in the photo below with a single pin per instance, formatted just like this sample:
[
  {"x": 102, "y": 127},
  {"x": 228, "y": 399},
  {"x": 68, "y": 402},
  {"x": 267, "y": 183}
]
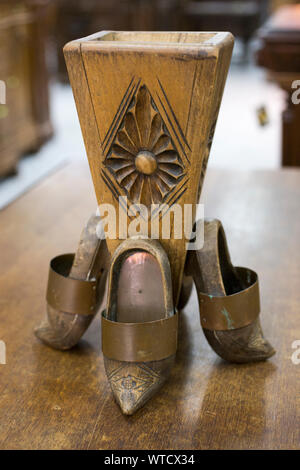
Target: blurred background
[{"x": 39, "y": 128}]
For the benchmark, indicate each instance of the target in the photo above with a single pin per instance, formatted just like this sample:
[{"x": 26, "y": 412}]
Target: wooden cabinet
[
  {"x": 24, "y": 117},
  {"x": 279, "y": 53}
]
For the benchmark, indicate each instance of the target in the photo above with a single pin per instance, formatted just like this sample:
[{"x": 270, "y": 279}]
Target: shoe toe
[
  {"x": 133, "y": 384},
  {"x": 242, "y": 345}
]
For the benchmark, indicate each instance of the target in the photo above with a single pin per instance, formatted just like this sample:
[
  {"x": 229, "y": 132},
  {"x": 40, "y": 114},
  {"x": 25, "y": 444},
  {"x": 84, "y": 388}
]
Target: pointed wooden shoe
[
  {"x": 228, "y": 300},
  {"x": 75, "y": 290},
  {"x": 139, "y": 326}
]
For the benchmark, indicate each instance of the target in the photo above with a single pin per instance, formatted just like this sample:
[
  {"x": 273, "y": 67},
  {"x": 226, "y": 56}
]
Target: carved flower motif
[
  {"x": 128, "y": 382},
  {"x": 143, "y": 159}
]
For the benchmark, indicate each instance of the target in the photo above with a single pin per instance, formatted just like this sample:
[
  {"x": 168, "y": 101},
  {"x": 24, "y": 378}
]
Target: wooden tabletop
[{"x": 61, "y": 400}]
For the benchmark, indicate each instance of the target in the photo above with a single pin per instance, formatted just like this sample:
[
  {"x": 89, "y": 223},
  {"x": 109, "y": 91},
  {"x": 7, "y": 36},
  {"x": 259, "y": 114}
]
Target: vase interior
[{"x": 142, "y": 37}]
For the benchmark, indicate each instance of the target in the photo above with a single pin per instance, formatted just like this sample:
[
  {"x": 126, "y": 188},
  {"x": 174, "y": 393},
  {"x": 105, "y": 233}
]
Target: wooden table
[
  {"x": 280, "y": 55},
  {"x": 61, "y": 400}
]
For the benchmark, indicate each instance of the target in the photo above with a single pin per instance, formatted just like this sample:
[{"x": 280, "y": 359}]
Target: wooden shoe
[
  {"x": 75, "y": 290},
  {"x": 228, "y": 300},
  {"x": 139, "y": 325}
]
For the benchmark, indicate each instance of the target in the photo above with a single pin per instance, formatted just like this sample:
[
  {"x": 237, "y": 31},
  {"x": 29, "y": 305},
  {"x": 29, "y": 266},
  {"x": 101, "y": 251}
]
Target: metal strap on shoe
[
  {"x": 67, "y": 294},
  {"x": 232, "y": 311},
  {"x": 139, "y": 342}
]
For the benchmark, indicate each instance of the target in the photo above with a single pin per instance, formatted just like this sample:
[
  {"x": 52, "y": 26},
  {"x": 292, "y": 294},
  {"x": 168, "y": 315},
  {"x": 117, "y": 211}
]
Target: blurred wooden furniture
[
  {"x": 24, "y": 118},
  {"x": 61, "y": 400},
  {"x": 279, "y": 53},
  {"x": 275, "y": 4},
  {"x": 78, "y": 18},
  {"x": 241, "y": 18}
]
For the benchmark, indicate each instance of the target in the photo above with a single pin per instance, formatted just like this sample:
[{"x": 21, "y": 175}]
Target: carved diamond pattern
[
  {"x": 143, "y": 159},
  {"x": 131, "y": 382}
]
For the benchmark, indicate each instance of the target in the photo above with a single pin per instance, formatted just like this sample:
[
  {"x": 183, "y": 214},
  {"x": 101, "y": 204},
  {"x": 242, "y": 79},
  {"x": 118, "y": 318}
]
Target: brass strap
[
  {"x": 232, "y": 311},
  {"x": 67, "y": 294},
  {"x": 139, "y": 342}
]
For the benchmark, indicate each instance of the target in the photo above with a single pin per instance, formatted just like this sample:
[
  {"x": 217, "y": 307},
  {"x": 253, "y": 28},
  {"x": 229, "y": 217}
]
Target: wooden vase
[{"x": 148, "y": 104}]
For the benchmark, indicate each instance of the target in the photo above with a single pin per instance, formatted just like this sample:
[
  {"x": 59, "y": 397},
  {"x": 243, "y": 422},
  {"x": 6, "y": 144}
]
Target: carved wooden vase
[{"x": 148, "y": 105}]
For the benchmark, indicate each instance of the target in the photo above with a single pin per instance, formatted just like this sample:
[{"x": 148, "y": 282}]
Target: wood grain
[{"x": 61, "y": 400}]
